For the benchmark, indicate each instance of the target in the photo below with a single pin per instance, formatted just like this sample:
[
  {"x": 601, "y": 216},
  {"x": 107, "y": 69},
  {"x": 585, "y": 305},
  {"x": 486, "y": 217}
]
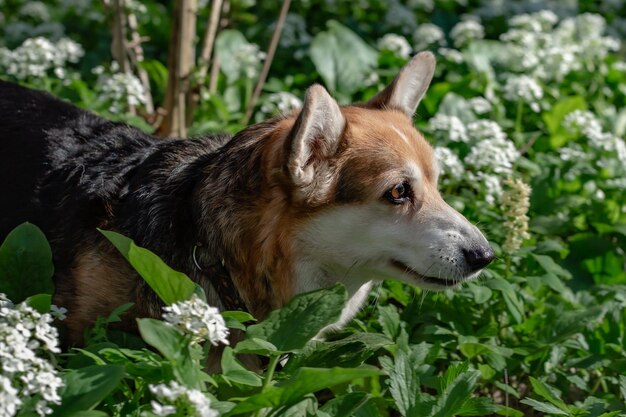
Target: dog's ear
[
  {"x": 315, "y": 136},
  {"x": 407, "y": 89}
]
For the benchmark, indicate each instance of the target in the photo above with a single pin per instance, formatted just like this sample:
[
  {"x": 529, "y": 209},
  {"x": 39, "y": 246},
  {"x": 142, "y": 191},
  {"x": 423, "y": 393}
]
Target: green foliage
[
  {"x": 25, "y": 263},
  {"x": 541, "y": 333}
]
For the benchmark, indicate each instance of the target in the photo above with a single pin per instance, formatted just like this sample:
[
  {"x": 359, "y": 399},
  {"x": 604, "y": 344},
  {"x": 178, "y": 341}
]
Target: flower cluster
[
  {"x": 538, "y": 48},
  {"x": 466, "y": 31},
  {"x": 197, "y": 318},
  {"x": 523, "y": 89},
  {"x": 36, "y": 57},
  {"x": 427, "y": 35},
  {"x": 449, "y": 163},
  {"x": 26, "y": 338},
  {"x": 450, "y": 127},
  {"x": 174, "y": 397},
  {"x": 120, "y": 90},
  {"x": 282, "y": 102},
  {"x": 604, "y": 149},
  {"x": 491, "y": 154},
  {"x": 515, "y": 205},
  {"x": 396, "y": 44},
  {"x": 248, "y": 58}
]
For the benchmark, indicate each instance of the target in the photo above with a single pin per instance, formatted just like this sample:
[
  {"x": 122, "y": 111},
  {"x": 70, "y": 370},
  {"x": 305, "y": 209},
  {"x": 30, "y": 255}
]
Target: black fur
[{"x": 69, "y": 171}]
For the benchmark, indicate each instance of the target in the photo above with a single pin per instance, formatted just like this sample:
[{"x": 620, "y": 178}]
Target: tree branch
[{"x": 268, "y": 60}]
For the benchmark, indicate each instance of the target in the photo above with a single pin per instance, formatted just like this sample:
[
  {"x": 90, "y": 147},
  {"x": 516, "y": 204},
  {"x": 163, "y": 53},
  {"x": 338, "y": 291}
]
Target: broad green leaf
[
  {"x": 348, "y": 352},
  {"x": 548, "y": 264},
  {"x": 479, "y": 406},
  {"x": 346, "y": 405},
  {"x": 174, "y": 347},
  {"x": 303, "y": 382},
  {"x": 555, "y": 116},
  {"x": 40, "y": 302},
  {"x": 456, "y": 394},
  {"x": 256, "y": 346},
  {"x": 342, "y": 58},
  {"x": 389, "y": 320},
  {"x": 25, "y": 263},
  {"x": 301, "y": 319},
  {"x": 548, "y": 393},
  {"x": 171, "y": 286},
  {"x": 404, "y": 385},
  {"x": 512, "y": 301},
  {"x": 86, "y": 387},
  {"x": 543, "y": 407},
  {"x": 235, "y": 319},
  {"x": 234, "y": 371},
  {"x": 622, "y": 387}
]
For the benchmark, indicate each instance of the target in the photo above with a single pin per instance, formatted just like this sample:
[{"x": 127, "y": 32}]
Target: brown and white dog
[{"x": 327, "y": 194}]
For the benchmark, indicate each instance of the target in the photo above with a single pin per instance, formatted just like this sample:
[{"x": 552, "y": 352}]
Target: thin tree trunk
[
  {"x": 209, "y": 39},
  {"x": 119, "y": 43},
  {"x": 268, "y": 60},
  {"x": 136, "y": 55},
  {"x": 215, "y": 65},
  {"x": 180, "y": 64}
]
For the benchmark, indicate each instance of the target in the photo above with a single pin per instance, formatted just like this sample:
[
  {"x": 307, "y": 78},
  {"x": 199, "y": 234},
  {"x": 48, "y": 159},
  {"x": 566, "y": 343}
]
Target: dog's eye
[{"x": 399, "y": 193}]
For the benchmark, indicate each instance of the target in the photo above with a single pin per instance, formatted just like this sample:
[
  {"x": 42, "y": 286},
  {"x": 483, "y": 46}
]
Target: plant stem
[
  {"x": 268, "y": 60},
  {"x": 518, "y": 117},
  {"x": 271, "y": 367}
]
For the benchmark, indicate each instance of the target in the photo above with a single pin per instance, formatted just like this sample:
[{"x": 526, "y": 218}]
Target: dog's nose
[{"x": 478, "y": 258}]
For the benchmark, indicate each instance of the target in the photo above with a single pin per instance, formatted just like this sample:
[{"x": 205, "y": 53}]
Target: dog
[{"x": 325, "y": 194}]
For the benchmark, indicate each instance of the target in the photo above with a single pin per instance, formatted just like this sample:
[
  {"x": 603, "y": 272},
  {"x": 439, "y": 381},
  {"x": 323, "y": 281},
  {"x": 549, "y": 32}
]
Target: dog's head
[{"x": 366, "y": 184}]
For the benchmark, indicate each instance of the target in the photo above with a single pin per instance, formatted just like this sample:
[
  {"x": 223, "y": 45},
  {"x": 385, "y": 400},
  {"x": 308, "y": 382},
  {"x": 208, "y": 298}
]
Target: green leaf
[
  {"x": 543, "y": 407},
  {"x": 548, "y": 393},
  {"x": 171, "y": 286},
  {"x": 404, "y": 385},
  {"x": 235, "y": 319},
  {"x": 301, "y": 319},
  {"x": 303, "y": 382},
  {"x": 234, "y": 371},
  {"x": 342, "y": 58},
  {"x": 86, "y": 387},
  {"x": 348, "y": 352},
  {"x": 478, "y": 407},
  {"x": 555, "y": 116},
  {"x": 25, "y": 263},
  {"x": 256, "y": 346},
  {"x": 40, "y": 302},
  {"x": 548, "y": 264},
  {"x": 174, "y": 347},
  {"x": 456, "y": 394},
  {"x": 346, "y": 405},
  {"x": 389, "y": 320}
]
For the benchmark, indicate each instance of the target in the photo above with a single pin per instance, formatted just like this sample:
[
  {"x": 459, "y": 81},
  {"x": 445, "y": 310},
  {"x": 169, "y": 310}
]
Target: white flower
[
  {"x": 466, "y": 31},
  {"x": 37, "y": 56},
  {"x": 35, "y": 10},
  {"x": 396, "y": 44},
  {"x": 449, "y": 162},
  {"x": 496, "y": 154},
  {"x": 448, "y": 128},
  {"x": 58, "y": 313},
  {"x": 121, "y": 90},
  {"x": 248, "y": 57},
  {"x": 8, "y": 398},
  {"x": 294, "y": 31},
  {"x": 178, "y": 397},
  {"x": 451, "y": 55},
  {"x": 26, "y": 337},
  {"x": 525, "y": 89},
  {"x": 485, "y": 129},
  {"x": 583, "y": 122},
  {"x": 490, "y": 184},
  {"x": 282, "y": 102},
  {"x": 426, "y": 35},
  {"x": 480, "y": 105},
  {"x": 197, "y": 318}
]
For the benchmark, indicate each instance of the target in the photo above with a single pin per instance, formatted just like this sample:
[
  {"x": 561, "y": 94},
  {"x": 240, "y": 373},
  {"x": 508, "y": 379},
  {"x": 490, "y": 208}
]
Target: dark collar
[{"x": 223, "y": 284}]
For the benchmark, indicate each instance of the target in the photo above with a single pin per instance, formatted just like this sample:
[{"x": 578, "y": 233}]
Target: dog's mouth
[{"x": 431, "y": 281}]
